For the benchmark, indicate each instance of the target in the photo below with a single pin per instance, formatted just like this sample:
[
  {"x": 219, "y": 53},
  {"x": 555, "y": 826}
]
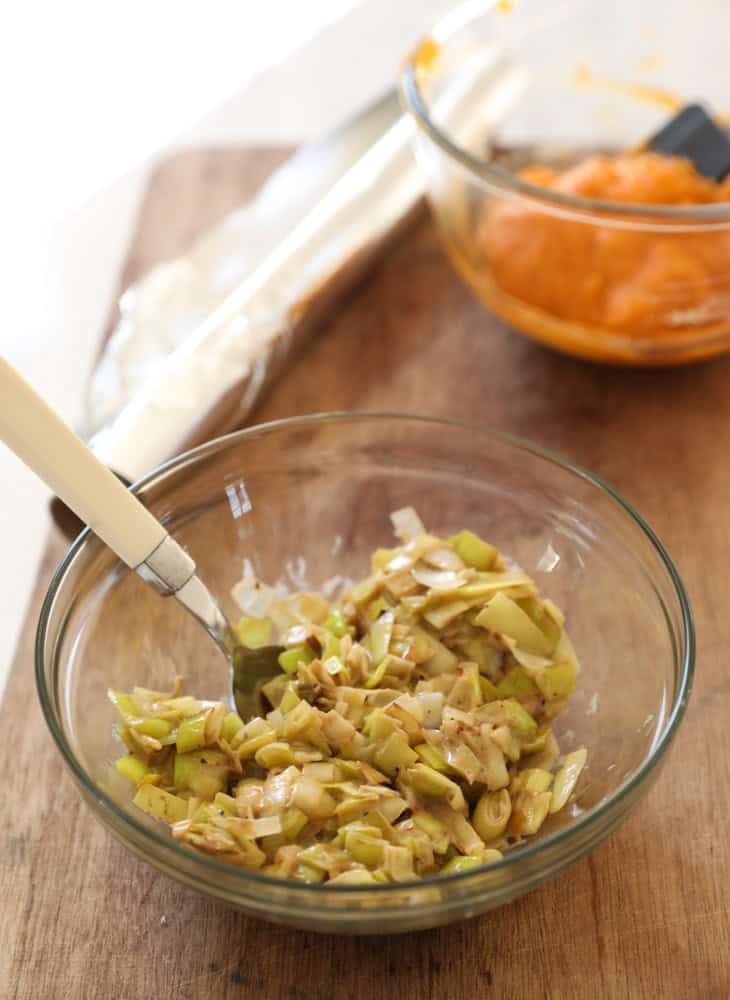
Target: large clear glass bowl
[
  {"x": 502, "y": 84},
  {"x": 307, "y": 499}
]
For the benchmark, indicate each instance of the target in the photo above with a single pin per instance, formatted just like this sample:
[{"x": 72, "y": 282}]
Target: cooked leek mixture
[{"x": 408, "y": 733}]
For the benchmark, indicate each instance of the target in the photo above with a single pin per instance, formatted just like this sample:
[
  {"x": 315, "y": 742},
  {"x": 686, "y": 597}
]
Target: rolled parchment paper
[
  {"x": 210, "y": 381},
  {"x": 157, "y": 313},
  {"x": 198, "y": 339}
]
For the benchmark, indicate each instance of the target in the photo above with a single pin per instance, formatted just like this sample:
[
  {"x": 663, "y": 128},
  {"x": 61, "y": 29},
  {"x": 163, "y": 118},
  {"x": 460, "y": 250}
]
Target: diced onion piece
[
  {"x": 491, "y": 814},
  {"x": 426, "y": 781},
  {"x": 557, "y": 681},
  {"x": 442, "y": 614},
  {"x": 191, "y": 732},
  {"x": 161, "y": 804},
  {"x": 311, "y": 608},
  {"x": 461, "y": 833},
  {"x": 249, "y": 747},
  {"x": 336, "y": 623},
  {"x": 324, "y": 771},
  {"x": 266, "y": 826},
  {"x": 214, "y": 724},
  {"x": 293, "y": 822},
  {"x": 515, "y": 683},
  {"x": 395, "y": 754},
  {"x": 354, "y": 876},
  {"x": 473, "y": 550},
  {"x": 253, "y": 597},
  {"x": 466, "y": 692},
  {"x": 532, "y": 779},
  {"x": 290, "y": 659},
  {"x": 465, "y": 762},
  {"x": 566, "y": 778},
  {"x": 443, "y": 557},
  {"x": 297, "y": 635},
  {"x": 441, "y": 659},
  {"x": 157, "y": 728},
  {"x": 433, "y": 757},
  {"x": 336, "y": 729},
  {"x": 392, "y": 806},
  {"x": 312, "y": 799},
  {"x": 131, "y": 768},
  {"x": 519, "y": 719},
  {"x": 407, "y": 524},
  {"x": 398, "y": 562},
  {"x": 274, "y": 755},
  {"x": 461, "y": 863},
  {"x": 363, "y": 592},
  {"x": 503, "y": 616},
  {"x": 381, "y": 632},
  {"x": 532, "y": 663},
  {"x": 378, "y": 674},
  {"x": 439, "y": 579},
  {"x": 433, "y": 703},
  {"x": 529, "y": 813},
  {"x": 307, "y": 873},
  {"x": 413, "y": 705},
  {"x": 398, "y": 863},
  {"x": 366, "y": 849},
  {"x": 253, "y": 632},
  {"x": 232, "y": 724},
  {"x": 536, "y": 612},
  {"x": 493, "y": 762}
]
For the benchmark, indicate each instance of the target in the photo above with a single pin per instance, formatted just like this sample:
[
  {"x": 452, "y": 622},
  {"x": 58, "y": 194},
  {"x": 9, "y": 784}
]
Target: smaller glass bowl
[
  {"x": 307, "y": 499},
  {"x": 498, "y": 87}
]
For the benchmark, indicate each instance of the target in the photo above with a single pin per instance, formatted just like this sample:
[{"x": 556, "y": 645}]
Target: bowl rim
[
  {"x": 246, "y": 877},
  {"x": 643, "y": 216}
]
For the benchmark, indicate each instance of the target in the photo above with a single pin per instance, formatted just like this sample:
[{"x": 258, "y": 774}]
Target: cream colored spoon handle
[{"x": 39, "y": 437}]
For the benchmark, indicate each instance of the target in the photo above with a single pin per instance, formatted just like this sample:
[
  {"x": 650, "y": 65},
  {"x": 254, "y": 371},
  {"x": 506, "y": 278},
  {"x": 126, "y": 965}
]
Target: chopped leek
[{"x": 411, "y": 729}]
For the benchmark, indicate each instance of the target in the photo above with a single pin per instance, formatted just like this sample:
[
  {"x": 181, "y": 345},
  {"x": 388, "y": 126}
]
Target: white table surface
[{"x": 108, "y": 92}]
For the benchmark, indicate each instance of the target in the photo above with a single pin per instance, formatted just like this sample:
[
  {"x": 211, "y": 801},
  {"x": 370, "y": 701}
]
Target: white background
[{"x": 91, "y": 93}]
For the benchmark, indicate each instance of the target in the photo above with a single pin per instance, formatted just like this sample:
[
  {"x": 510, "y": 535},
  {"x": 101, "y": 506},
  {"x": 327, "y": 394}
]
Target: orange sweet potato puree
[{"x": 641, "y": 283}]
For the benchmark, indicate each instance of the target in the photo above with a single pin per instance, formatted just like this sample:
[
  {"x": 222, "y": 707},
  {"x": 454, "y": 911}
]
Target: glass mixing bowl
[
  {"x": 499, "y": 86},
  {"x": 307, "y": 499}
]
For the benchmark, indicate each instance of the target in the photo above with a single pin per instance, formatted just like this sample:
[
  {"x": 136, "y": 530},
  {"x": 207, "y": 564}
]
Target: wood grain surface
[{"x": 645, "y": 916}]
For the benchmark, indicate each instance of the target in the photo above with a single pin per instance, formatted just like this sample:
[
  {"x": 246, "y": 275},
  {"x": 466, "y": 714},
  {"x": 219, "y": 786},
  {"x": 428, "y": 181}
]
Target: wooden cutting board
[{"x": 645, "y": 916}]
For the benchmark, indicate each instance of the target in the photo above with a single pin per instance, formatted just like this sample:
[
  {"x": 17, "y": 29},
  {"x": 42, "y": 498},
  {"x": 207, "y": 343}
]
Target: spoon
[{"x": 49, "y": 447}]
